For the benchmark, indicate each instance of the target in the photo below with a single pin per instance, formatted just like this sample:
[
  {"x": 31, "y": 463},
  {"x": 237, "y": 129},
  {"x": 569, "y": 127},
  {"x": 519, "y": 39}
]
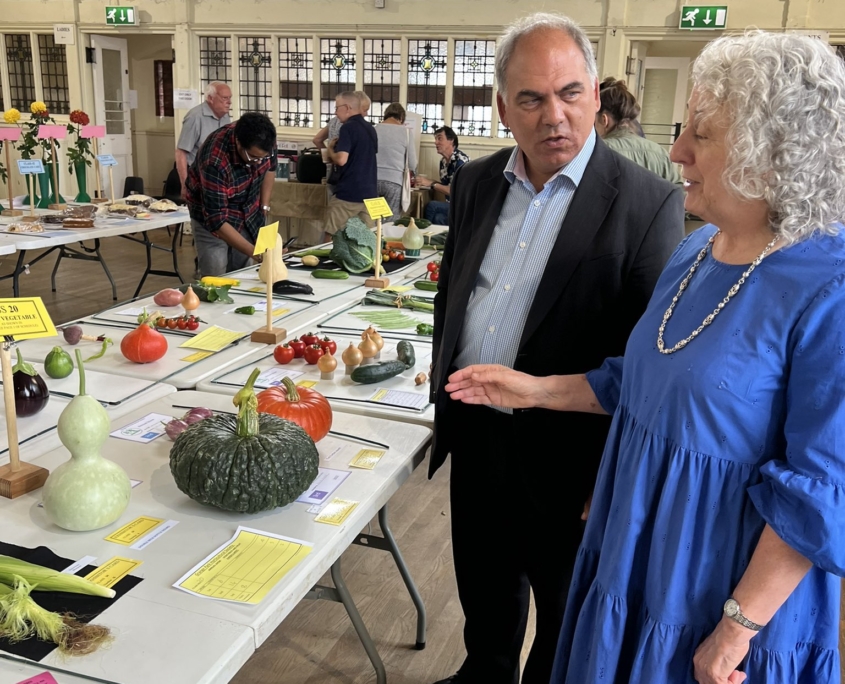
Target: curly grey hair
[
  {"x": 784, "y": 98},
  {"x": 540, "y": 21}
]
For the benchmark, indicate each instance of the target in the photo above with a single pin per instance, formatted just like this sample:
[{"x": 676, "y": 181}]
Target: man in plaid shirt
[{"x": 228, "y": 192}]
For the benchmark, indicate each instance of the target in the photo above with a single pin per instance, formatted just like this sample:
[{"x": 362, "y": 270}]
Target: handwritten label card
[
  {"x": 106, "y": 160},
  {"x": 27, "y": 166}
]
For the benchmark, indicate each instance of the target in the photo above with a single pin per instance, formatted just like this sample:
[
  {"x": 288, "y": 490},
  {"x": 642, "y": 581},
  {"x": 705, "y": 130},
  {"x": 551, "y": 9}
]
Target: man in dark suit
[{"x": 553, "y": 251}]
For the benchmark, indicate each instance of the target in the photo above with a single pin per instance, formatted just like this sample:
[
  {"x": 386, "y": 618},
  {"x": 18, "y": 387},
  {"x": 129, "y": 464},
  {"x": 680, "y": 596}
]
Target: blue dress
[{"x": 744, "y": 426}]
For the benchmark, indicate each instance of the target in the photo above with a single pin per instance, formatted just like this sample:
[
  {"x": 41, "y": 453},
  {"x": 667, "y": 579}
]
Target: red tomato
[
  {"x": 283, "y": 354},
  {"x": 434, "y": 276},
  {"x": 298, "y": 347},
  {"x": 161, "y": 323},
  {"x": 192, "y": 323},
  {"x": 181, "y": 323},
  {"x": 313, "y": 353},
  {"x": 310, "y": 338},
  {"x": 328, "y": 346},
  {"x": 431, "y": 267},
  {"x": 171, "y": 323},
  {"x": 400, "y": 256}
]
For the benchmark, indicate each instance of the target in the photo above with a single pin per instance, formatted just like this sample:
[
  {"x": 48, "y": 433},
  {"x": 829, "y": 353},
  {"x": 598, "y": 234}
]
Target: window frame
[{"x": 34, "y": 45}]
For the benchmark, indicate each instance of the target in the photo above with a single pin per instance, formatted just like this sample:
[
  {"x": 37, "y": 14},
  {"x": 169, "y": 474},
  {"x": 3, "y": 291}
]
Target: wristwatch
[
  {"x": 265, "y": 207},
  {"x": 433, "y": 183},
  {"x": 732, "y": 610}
]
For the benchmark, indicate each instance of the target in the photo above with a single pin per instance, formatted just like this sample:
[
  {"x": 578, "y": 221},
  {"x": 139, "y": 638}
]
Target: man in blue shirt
[
  {"x": 354, "y": 155},
  {"x": 553, "y": 250}
]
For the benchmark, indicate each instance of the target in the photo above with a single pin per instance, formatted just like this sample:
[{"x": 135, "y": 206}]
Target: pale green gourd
[
  {"x": 412, "y": 239},
  {"x": 87, "y": 492}
]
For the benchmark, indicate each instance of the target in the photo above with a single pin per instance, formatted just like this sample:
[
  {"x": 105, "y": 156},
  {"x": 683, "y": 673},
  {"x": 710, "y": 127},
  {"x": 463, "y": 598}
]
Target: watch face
[{"x": 731, "y": 608}]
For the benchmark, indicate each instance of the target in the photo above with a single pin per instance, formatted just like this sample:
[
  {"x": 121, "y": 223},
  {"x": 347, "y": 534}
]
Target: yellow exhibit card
[
  {"x": 111, "y": 572},
  {"x": 378, "y": 208},
  {"x": 25, "y": 318},
  {"x": 133, "y": 531},
  {"x": 213, "y": 339},
  {"x": 308, "y": 384},
  {"x": 397, "y": 288},
  {"x": 366, "y": 459},
  {"x": 257, "y": 289},
  {"x": 336, "y": 511},
  {"x": 266, "y": 238},
  {"x": 245, "y": 568},
  {"x": 197, "y": 356},
  {"x": 280, "y": 312}
]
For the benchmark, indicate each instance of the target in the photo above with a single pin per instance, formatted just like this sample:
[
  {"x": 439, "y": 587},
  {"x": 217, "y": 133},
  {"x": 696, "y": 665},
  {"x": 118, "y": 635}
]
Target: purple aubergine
[{"x": 31, "y": 393}]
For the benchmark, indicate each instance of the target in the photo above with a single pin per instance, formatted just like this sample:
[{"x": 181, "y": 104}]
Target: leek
[{"x": 45, "y": 579}]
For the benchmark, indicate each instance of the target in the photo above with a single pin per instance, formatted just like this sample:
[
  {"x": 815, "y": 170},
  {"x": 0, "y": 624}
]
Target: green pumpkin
[{"x": 246, "y": 463}]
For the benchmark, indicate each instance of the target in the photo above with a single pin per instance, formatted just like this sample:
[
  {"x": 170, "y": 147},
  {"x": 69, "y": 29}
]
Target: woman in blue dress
[{"x": 717, "y": 527}]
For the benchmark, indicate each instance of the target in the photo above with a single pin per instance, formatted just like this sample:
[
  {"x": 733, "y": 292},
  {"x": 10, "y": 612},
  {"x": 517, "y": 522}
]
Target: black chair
[
  {"x": 133, "y": 185},
  {"x": 172, "y": 188}
]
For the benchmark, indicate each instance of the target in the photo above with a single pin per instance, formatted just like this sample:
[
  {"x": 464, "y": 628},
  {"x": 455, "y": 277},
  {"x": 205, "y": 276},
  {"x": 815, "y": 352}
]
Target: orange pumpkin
[
  {"x": 306, "y": 407},
  {"x": 144, "y": 345}
]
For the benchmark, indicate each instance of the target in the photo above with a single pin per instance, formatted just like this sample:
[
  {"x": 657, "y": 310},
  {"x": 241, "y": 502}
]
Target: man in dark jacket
[{"x": 553, "y": 251}]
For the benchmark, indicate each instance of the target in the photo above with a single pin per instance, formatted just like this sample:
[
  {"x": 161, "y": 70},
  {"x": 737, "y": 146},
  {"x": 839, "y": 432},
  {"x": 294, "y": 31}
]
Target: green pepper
[
  {"x": 58, "y": 363},
  {"x": 425, "y": 329},
  {"x": 248, "y": 310}
]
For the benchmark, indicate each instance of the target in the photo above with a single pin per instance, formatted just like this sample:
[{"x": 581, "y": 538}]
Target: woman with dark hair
[
  {"x": 394, "y": 143},
  {"x": 616, "y": 123}
]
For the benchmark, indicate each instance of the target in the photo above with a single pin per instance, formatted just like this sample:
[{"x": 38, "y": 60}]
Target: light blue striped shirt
[{"x": 516, "y": 259}]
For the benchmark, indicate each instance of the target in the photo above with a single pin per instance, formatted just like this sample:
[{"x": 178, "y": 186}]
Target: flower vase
[
  {"x": 55, "y": 193},
  {"x": 44, "y": 187},
  {"x": 80, "y": 168}
]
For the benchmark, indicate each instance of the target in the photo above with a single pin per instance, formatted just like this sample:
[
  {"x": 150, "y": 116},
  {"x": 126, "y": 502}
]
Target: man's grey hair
[
  {"x": 541, "y": 21},
  {"x": 782, "y": 98},
  {"x": 211, "y": 88},
  {"x": 351, "y": 97},
  {"x": 364, "y": 99}
]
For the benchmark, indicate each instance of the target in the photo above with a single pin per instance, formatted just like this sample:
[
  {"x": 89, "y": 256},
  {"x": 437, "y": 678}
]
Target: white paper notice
[
  {"x": 73, "y": 568},
  {"x": 144, "y": 429},
  {"x": 185, "y": 98},
  {"x": 398, "y": 398},
  {"x": 326, "y": 482},
  {"x": 272, "y": 377},
  {"x": 135, "y": 311}
]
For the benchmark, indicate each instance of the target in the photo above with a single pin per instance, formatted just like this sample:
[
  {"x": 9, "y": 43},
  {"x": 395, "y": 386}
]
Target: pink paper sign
[
  {"x": 93, "y": 132},
  {"x": 43, "y": 678},
  {"x": 57, "y": 132},
  {"x": 11, "y": 134}
]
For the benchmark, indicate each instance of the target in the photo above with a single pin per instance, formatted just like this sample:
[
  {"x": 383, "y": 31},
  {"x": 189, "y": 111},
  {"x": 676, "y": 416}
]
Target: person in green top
[{"x": 616, "y": 123}]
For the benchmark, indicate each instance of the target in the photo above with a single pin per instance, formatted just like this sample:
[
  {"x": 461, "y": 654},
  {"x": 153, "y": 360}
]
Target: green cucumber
[
  {"x": 405, "y": 353},
  {"x": 377, "y": 372},
  {"x": 425, "y": 285},
  {"x": 313, "y": 252},
  {"x": 330, "y": 275}
]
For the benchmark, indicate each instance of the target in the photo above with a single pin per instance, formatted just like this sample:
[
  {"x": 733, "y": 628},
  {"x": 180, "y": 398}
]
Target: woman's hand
[
  {"x": 495, "y": 384},
  {"x": 719, "y": 655}
]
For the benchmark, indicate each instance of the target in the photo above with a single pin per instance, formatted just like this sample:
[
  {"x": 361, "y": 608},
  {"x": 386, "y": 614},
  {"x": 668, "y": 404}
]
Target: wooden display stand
[
  {"x": 376, "y": 281},
  {"x": 98, "y": 195},
  {"x": 58, "y": 206},
  {"x": 30, "y": 184},
  {"x": 17, "y": 477},
  {"x": 268, "y": 334},
  {"x": 11, "y": 211}
]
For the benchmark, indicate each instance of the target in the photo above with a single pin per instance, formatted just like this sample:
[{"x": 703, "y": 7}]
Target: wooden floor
[{"x": 316, "y": 643}]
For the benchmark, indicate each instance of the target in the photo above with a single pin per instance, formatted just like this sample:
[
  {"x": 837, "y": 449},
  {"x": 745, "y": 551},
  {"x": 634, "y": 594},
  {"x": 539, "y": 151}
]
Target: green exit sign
[
  {"x": 121, "y": 16},
  {"x": 703, "y": 17}
]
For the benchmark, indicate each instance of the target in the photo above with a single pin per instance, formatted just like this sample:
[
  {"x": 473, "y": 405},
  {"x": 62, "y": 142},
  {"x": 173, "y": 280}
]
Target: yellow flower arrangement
[
  {"x": 11, "y": 116},
  {"x": 37, "y": 107}
]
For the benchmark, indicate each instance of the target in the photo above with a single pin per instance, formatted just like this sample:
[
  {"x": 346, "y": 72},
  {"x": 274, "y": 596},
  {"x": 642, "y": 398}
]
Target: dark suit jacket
[{"x": 621, "y": 227}]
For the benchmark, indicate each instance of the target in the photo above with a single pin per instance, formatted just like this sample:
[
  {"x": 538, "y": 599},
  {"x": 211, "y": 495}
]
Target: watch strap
[{"x": 732, "y": 610}]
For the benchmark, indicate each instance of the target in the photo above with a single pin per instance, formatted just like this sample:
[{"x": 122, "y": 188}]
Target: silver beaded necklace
[{"x": 710, "y": 317}]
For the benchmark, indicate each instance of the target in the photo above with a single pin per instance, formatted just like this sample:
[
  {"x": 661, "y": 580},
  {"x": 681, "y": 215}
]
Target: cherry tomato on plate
[
  {"x": 171, "y": 323},
  {"x": 181, "y": 323},
  {"x": 434, "y": 276},
  {"x": 298, "y": 347},
  {"x": 283, "y": 354},
  {"x": 313, "y": 353},
  {"x": 192, "y": 323},
  {"x": 310, "y": 338},
  {"x": 328, "y": 346},
  {"x": 431, "y": 267}
]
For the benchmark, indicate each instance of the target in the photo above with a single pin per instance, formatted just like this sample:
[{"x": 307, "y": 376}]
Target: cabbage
[{"x": 354, "y": 247}]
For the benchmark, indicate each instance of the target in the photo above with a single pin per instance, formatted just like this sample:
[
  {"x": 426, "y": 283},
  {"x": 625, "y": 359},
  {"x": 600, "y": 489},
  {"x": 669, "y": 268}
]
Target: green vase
[
  {"x": 26, "y": 200},
  {"x": 44, "y": 187},
  {"x": 55, "y": 193},
  {"x": 80, "y": 168}
]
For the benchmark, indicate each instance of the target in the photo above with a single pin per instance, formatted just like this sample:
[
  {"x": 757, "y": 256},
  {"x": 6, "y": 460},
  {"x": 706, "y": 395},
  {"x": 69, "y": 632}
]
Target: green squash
[
  {"x": 88, "y": 491},
  {"x": 246, "y": 463}
]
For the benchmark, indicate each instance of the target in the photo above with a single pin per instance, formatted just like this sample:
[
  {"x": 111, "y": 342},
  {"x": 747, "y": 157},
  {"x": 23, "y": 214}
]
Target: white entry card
[
  {"x": 324, "y": 485},
  {"x": 272, "y": 377},
  {"x": 144, "y": 429}
]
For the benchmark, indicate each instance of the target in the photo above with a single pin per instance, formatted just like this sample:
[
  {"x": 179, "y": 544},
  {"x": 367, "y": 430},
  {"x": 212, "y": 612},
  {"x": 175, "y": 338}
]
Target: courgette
[
  {"x": 218, "y": 281},
  {"x": 313, "y": 252},
  {"x": 405, "y": 353},
  {"x": 377, "y": 372},
  {"x": 330, "y": 275},
  {"x": 425, "y": 285}
]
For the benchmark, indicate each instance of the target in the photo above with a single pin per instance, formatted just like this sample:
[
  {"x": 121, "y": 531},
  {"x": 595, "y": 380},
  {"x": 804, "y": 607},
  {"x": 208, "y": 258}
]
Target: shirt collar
[
  {"x": 206, "y": 111},
  {"x": 574, "y": 170}
]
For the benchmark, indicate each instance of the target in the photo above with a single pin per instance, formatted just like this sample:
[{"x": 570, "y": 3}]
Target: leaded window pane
[
  {"x": 254, "y": 74},
  {"x": 337, "y": 72},
  {"x": 21, "y": 80},
  {"x": 382, "y": 72},
  {"x": 54, "y": 75},
  {"x": 296, "y": 82},
  {"x": 215, "y": 60},
  {"x": 472, "y": 90},
  {"x": 427, "y": 60}
]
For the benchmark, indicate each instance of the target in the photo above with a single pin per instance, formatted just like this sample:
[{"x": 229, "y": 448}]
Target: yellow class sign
[
  {"x": 378, "y": 208},
  {"x": 111, "y": 572},
  {"x": 133, "y": 531},
  {"x": 25, "y": 318},
  {"x": 212, "y": 339},
  {"x": 266, "y": 238}
]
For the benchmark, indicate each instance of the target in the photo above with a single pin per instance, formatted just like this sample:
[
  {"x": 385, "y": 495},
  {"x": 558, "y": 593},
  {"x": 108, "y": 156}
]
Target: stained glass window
[
  {"x": 472, "y": 91},
  {"x": 254, "y": 69},
  {"x": 296, "y": 82},
  {"x": 54, "y": 75},
  {"x": 163, "y": 79},
  {"x": 427, "y": 81},
  {"x": 382, "y": 71},
  {"x": 215, "y": 60},
  {"x": 21, "y": 81},
  {"x": 337, "y": 72}
]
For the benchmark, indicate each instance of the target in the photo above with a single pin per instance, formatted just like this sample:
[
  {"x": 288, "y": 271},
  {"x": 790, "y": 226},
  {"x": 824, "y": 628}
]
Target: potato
[
  {"x": 310, "y": 260},
  {"x": 168, "y": 297}
]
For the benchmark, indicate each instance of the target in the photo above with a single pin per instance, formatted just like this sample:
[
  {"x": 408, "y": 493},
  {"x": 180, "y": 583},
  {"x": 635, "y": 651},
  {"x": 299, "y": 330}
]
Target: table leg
[
  {"x": 66, "y": 252},
  {"x": 19, "y": 267},
  {"x": 149, "y": 246},
  {"x": 339, "y": 593}
]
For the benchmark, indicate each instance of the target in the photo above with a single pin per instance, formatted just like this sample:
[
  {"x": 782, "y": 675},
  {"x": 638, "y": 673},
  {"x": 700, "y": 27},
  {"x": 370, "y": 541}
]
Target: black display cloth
[
  {"x": 325, "y": 262},
  {"x": 85, "y": 608}
]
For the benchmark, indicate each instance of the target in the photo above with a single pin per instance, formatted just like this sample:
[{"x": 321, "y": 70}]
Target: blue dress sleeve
[
  {"x": 606, "y": 382},
  {"x": 802, "y": 496}
]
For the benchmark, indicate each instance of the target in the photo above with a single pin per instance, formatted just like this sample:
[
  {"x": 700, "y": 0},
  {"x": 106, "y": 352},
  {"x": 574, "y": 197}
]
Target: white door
[{"x": 111, "y": 95}]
